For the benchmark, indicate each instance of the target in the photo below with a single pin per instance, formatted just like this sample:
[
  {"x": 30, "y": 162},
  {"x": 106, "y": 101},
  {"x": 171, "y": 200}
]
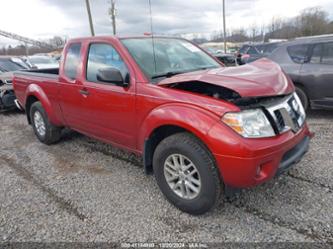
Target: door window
[
  {"x": 103, "y": 56},
  {"x": 316, "y": 54},
  {"x": 322, "y": 54},
  {"x": 298, "y": 53},
  {"x": 72, "y": 60}
]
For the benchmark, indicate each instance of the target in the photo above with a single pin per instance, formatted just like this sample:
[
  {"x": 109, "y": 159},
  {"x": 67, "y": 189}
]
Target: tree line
[{"x": 309, "y": 22}]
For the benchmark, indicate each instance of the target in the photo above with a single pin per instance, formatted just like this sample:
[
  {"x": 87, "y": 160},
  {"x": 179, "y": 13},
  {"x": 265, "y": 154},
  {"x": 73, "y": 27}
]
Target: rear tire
[
  {"x": 303, "y": 97},
  {"x": 46, "y": 132},
  {"x": 193, "y": 189}
]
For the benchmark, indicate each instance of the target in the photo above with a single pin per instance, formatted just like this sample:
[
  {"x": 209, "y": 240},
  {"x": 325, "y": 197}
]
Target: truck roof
[{"x": 112, "y": 37}]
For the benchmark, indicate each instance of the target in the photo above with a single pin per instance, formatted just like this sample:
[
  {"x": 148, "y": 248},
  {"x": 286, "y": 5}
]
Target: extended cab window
[
  {"x": 103, "y": 56},
  {"x": 72, "y": 60},
  {"x": 298, "y": 53}
]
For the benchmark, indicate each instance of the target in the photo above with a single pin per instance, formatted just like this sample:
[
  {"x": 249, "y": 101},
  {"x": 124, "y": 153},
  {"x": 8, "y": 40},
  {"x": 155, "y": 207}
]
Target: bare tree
[
  {"x": 254, "y": 31},
  {"x": 57, "y": 41},
  {"x": 313, "y": 21}
]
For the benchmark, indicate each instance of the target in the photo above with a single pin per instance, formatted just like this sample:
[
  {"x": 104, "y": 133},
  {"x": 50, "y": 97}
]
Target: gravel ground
[{"x": 84, "y": 190}]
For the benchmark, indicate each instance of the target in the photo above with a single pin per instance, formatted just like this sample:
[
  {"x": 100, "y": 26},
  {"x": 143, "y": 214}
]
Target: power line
[{"x": 26, "y": 40}]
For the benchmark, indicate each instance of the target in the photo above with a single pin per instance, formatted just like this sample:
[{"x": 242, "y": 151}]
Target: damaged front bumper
[
  {"x": 258, "y": 160},
  {"x": 7, "y": 97}
]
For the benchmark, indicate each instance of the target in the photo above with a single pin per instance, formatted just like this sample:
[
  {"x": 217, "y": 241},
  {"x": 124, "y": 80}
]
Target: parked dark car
[
  {"x": 309, "y": 63},
  {"x": 227, "y": 59},
  {"x": 7, "y": 66},
  {"x": 249, "y": 53}
]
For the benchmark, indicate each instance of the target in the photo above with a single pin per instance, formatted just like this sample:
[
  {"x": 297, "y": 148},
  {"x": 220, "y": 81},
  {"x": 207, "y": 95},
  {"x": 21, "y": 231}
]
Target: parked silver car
[{"x": 309, "y": 63}]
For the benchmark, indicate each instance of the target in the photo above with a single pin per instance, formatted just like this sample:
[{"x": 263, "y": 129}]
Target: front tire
[
  {"x": 186, "y": 173},
  {"x": 46, "y": 132}
]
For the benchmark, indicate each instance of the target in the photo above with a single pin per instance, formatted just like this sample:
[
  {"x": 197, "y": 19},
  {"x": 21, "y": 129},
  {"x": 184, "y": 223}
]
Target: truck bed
[{"x": 45, "y": 73}]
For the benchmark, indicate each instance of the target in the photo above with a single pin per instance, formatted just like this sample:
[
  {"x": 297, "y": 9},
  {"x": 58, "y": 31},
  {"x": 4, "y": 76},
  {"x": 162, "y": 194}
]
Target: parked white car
[{"x": 42, "y": 62}]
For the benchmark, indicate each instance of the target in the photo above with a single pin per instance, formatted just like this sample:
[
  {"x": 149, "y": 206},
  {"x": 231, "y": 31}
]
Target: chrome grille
[
  {"x": 279, "y": 120},
  {"x": 288, "y": 114}
]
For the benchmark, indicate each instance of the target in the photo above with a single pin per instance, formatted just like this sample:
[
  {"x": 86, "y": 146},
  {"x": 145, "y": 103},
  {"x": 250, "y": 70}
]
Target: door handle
[{"x": 84, "y": 92}]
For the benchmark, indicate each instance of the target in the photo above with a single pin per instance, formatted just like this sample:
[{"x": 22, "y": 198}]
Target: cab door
[
  {"x": 111, "y": 107},
  {"x": 318, "y": 75},
  {"x": 70, "y": 96}
]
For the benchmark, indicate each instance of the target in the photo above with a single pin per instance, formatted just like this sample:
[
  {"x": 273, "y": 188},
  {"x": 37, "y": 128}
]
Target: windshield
[
  {"x": 42, "y": 60},
  {"x": 9, "y": 66},
  {"x": 172, "y": 56},
  {"x": 20, "y": 62}
]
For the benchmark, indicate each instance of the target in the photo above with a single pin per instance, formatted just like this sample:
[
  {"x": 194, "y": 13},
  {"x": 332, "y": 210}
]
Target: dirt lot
[{"x": 84, "y": 190}]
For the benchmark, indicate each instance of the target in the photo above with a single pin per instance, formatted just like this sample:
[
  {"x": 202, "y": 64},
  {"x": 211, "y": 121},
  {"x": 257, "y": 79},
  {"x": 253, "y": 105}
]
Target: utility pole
[
  {"x": 26, "y": 49},
  {"x": 90, "y": 18},
  {"x": 224, "y": 27},
  {"x": 112, "y": 12}
]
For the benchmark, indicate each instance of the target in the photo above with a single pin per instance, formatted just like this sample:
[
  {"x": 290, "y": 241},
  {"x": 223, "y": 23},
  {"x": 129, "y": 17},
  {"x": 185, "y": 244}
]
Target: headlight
[{"x": 249, "y": 123}]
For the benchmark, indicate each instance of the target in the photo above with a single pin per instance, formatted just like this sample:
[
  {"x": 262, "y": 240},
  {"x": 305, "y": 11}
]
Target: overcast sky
[{"x": 41, "y": 19}]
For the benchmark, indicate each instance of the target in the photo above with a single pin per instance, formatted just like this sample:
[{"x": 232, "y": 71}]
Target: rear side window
[
  {"x": 322, "y": 54},
  {"x": 327, "y": 53},
  {"x": 316, "y": 54},
  {"x": 72, "y": 60},
  {"x": 298, "y": 53}
]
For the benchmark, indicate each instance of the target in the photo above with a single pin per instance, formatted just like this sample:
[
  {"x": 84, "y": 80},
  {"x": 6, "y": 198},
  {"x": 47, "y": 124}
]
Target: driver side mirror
[{"x": 111, "y": 75}]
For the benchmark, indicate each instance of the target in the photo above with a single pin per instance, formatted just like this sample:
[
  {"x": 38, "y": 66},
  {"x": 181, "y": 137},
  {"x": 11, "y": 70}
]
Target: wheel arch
[
  {"x": 28, "y": 103},
  {"x": 169, "y": 119},
  {"x": 35, "y": 93}
]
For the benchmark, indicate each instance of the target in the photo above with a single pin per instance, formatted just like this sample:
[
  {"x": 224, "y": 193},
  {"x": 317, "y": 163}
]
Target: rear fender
[{"x": 37, "y": 92}]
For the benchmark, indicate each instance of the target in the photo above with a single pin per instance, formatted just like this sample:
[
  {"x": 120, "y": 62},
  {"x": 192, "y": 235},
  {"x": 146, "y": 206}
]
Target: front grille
[
  {"x": 279, "y": 120},
  {"x": 287, "y": 114}
]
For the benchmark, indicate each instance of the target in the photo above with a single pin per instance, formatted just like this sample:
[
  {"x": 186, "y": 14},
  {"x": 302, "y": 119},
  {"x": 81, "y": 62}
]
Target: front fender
[
  {"x": 194, "y": 119},
  {"x": 37, "y": 92}
]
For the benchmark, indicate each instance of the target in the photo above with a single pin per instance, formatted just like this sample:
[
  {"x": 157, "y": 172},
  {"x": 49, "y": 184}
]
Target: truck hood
[{"x": 258, "y": 79}]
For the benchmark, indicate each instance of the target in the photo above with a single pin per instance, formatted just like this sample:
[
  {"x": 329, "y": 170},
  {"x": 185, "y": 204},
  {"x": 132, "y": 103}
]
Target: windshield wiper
[{"x": 168, "y": 74}]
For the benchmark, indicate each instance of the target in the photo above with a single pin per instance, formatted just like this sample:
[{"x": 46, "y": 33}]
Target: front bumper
[
  {"x": 6, "y": 87},
  {"x": 293, "y": 156},
  {"x": 249, "y": 162}
]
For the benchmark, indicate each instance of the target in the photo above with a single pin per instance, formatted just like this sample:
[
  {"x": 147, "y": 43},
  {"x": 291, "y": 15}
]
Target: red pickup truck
[{"x": 200, "y": 127}]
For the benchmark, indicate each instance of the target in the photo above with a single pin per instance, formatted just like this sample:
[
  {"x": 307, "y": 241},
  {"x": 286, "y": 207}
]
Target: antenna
[{"x": 152, "y": 34}]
